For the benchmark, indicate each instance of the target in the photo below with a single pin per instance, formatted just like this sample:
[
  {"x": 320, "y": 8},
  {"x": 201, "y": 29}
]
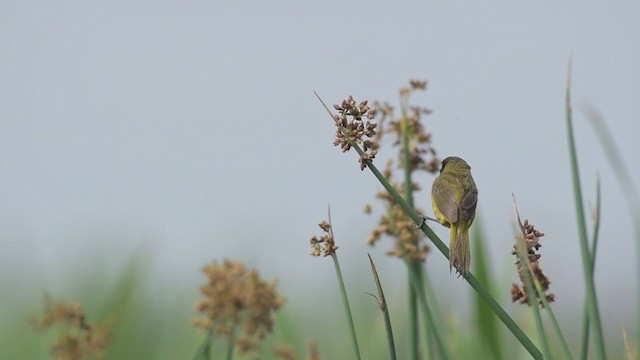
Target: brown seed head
[
  {"x": 237, "y": 298},
  {"x": 77, "y": 339},
  {"x": 531, "y": 239}
]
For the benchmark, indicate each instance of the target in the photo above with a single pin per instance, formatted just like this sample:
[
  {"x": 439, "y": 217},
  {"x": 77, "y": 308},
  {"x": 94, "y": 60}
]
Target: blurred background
[{"x": 166, "y": 134}]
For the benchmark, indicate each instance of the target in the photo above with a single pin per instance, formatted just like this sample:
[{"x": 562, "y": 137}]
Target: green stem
[
  {"x": 382, "y": 302},
  {"x": 347, "y": 309},
  {"x": 584, "y": 348},
  {"x": 414, "y": 351},
  {"x": 408, "y": 190},
  {"x": 427, "y": 313},
  {"x": 232, "y": 345},
  {"x": 591, "y": 298},
  {"x": 554, "y": 321},
  {"x": 204, "y": 352},
  {"x": 428, "y": 289}
]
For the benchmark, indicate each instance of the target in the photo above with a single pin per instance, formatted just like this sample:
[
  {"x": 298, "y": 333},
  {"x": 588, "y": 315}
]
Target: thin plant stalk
[
  {"x": 232, "y": 346},
  {"x": 204, "y": 352},
  {"x": 623, "y": 177},
  {"x": 591, "y": 298},
  {"x": 437, "y": 242},
  {"x": 427, "y": 314},
  {"x": 413, "y": 266},
  {"x": 584, "y": 346},
  {"x": 431, "y": 298},
  {"x": 413, "y": 322},
  {"x": 347, "y": 308},
  {"x": 545, "y": 304},
  {"x": 532, "y": 297},
  {"x": 382, "y": 303}
]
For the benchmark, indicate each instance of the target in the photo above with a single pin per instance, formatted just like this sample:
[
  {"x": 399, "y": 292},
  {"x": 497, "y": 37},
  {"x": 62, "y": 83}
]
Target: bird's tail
[{"x": 459, "y": 249}]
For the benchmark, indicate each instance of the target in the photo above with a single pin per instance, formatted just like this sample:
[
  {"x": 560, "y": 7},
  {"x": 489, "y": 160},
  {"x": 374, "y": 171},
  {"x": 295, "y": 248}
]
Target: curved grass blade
[{"x": 591, "y": 298}]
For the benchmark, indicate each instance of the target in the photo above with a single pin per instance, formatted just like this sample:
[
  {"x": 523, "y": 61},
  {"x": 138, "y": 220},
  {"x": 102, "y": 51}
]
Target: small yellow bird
[{"x": 454, "y": 197}]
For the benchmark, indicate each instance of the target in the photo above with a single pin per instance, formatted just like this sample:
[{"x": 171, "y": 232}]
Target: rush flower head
[
  {"x": 352, "y": 129},
  {"x": 324, "y": 245},
  {"x": 77, "y": 339},
  {"x": 529, "y": 238},
  {"x": 409, "y": 126},
  {"x": 238, "y": 304}
]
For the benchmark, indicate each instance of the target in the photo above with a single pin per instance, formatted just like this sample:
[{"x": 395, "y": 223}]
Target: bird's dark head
[{"x": 454, "y": 163}]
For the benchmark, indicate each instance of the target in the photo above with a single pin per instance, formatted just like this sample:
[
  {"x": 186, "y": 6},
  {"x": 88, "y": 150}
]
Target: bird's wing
[
  {"x": 468, "y": 205},
  {"x": 444, "y": 200}
]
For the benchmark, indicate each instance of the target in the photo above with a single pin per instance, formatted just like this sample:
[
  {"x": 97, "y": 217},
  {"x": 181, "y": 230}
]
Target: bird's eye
[{"x": 444, "y": 163}]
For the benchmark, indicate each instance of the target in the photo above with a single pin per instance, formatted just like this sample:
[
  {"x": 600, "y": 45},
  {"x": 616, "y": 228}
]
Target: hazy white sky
[{"x": 191, "y": 127}]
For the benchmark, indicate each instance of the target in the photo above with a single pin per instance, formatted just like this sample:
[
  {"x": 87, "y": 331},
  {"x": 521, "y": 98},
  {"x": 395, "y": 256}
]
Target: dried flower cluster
[
  {"x": 325, "y": 244},
  {"x": 422, "y": 155},
  {"x": 531, "y": 238},
  {"x": 353, "y": 130},
  {"x": 409, "y": 243},
  {"x": 77, "y": 339},
  {"x": 238, "y": 304}
]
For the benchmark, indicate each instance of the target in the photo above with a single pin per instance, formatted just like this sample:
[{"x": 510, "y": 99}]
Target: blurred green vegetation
[{"x": 150, "y": 326}]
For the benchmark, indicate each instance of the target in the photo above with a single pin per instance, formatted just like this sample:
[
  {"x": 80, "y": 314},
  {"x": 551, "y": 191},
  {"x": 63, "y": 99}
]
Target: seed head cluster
[
  {"x": 352, "y": 129},
  {"x": 324, "y": 245},
  {"x": 531, "y": 238},
  {"x": 77, "y": 339},
  {"x": 237, "y": 305},
  {"x": 421, "y": 154}
]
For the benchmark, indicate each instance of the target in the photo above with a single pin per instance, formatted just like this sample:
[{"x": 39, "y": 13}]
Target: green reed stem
[
  {"x": 427, "y": 314},
  {"x": 232, "y": 346},
  {"x": 591, "y": 298},
  {"x": 204, "y": 352},
  {"x": 414, "y": 349},
  {"x": 584, "y": 346},
  {"x": 347, "y": 308},
  {"x": 554, "y": 321}
]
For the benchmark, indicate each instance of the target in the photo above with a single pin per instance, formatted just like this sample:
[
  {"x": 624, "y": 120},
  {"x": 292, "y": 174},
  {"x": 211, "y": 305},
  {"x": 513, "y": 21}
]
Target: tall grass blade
[
  {"x": 584, "y": 345},
  {"x": 623, "y": 176},
  {"x": 591, "y": 298},
  {"x": 122, "y": 305}
]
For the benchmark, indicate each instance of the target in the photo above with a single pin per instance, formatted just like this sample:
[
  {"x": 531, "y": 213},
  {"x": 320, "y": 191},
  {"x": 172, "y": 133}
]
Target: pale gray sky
[{"x": 191, "y": 127}]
